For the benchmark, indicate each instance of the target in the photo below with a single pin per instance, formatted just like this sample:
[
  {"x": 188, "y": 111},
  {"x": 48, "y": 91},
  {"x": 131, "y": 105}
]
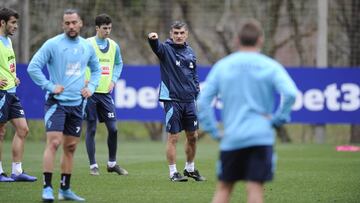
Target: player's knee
[
  {"x": 70, "y": 148},
  {"x": 54, "y": 144},
  {"x": 112, "y": 131},
  {"x": 172, "y": 139},
  {"x": 191, "y": 139},
  {"x": 91, "y": 128},
  {"x": 91, "y": 132},
  {"x": 111, "y": 127},
  {"x": 2, "y": 133},
  {"x": 22, "y": 131}
]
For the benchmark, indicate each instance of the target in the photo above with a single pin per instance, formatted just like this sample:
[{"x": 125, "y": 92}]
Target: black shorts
[
  {"x": 248, "y": 164},
  {"x": 180, "y": 116},
  {"x": 10, "y": 107},
  {"x": 100, "y": 106},
  {"x": 66, "y": 119}
]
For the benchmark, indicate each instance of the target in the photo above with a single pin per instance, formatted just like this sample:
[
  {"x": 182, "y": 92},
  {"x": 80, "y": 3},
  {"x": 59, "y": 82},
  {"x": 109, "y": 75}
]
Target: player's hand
[
  {"x": 86, "y": 93},
  {"x": 111, "y": 86},
  {"x": 267, "y": 116},
  {"x": 221, "y": 135},
  {"x": 17, "y": 81},
  {"x": 3, "y": 83},
  {"x": 153, "y": 35},
  {"x": 58, "y": 89}
]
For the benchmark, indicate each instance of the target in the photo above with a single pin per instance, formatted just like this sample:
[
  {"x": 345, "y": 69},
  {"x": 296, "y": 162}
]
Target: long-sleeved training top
[{"x": 66, "y": 61}]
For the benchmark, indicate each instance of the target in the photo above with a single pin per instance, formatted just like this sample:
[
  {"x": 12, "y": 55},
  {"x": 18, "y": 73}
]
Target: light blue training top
[
  {"x": 66, "y": 61},
  {"x": 246, "y": 83},
  {"x": 118, "y": 63}
]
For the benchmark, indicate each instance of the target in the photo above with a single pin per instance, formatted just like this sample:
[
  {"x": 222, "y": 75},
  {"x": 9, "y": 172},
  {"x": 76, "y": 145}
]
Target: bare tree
[
  {"x": 155, "y": 129},
  {"x": 220, "y": 27},
  {"x": 212, "y": 25},
  {"x": 274, "y": 15},
  {"x": 204, "y": 46}
]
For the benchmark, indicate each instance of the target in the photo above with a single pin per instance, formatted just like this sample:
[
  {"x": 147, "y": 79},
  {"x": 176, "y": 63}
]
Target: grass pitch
[{"x": 305, "y": 174}]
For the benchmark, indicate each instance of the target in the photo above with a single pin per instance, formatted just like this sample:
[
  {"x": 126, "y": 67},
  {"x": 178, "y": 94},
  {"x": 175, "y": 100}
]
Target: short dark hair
[
  {"x": 250, "y": 32},
  {"x": 102, "y": 19},
  {"x": 178, "y": 25},
  {"x": 70, "y": 11},
  {"x": 6, "y": 13}
]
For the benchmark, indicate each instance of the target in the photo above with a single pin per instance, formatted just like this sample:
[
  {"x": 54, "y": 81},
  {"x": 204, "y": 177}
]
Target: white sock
[
  {"x": 1, "y": 169},
  {"x": 111, "y": 163},
  {"x": 94, "y": 166},
  {"x": 190, "y": 166},
  {"x": 172, "y": 169},
  {"x": 16, "y": 168}
]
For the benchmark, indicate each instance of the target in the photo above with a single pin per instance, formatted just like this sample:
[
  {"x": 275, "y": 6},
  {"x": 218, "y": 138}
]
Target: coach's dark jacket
[{"x": 179, "y": 80}]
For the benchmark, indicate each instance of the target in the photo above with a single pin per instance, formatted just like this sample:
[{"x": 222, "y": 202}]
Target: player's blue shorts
[
  {"x": 248, "y": 164},
  {"x": 100, "y": 106},
  {"x": 10, "y": 107},
  {"x": 66, "y": 119},
  {"x": 180, "y": 116}
]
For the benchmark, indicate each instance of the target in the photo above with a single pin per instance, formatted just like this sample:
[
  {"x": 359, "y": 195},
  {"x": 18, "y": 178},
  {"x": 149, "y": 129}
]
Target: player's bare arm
[{"x": 153, "y": 35}]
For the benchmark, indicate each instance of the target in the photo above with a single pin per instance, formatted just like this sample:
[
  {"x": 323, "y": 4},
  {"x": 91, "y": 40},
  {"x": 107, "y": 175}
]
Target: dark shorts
[
  {"x": 66, "y": 119},
  {"x": 249, "y": 164},
  {"x": 180, "y": 116},
  {"x": 10, "y": 107},
  {"x": 100, "y": 106}
]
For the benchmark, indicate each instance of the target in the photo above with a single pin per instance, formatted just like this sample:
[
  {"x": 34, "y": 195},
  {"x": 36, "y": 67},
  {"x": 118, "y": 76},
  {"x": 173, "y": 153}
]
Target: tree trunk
[
  {"x": 24, "y": 45},
  {"x": 355, "y": 134},
  {"x": 203, "y": 45},
  {"x": 201, "y": 134},
  {"x": 155, "y": 130},
  {"x": 220, "y": 26},
  {"x": 354, "y": 58},
  {"x": 351, "y": 20},
  {"x": 283, "y": 134}
]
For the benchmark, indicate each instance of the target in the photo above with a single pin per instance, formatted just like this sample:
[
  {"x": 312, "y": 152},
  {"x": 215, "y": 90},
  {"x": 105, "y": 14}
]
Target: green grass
[
  {"x": 136, "y": 131},
  {"x": 305, "y": 174}
]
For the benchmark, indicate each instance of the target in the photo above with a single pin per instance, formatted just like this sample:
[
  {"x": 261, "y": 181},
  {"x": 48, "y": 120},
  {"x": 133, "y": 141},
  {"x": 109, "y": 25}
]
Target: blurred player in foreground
[{"x": 246, "y": 82}]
